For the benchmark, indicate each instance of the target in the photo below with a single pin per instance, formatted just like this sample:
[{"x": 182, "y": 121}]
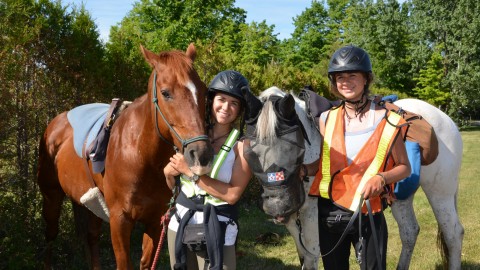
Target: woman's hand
[
  {"x": 170, "y": 174},
  {"x": 373, "y": 187},
  {"x": 303, "y": 172},
  {"x": 178, "y": 163}
]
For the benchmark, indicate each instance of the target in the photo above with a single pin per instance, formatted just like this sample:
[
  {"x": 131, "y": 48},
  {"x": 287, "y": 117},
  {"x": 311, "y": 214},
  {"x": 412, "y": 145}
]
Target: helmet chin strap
[{"x": 358, "y": 104}]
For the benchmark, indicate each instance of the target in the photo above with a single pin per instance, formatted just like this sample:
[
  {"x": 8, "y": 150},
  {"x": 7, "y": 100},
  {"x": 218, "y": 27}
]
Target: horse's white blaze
[{"x": 191, "y": 86}]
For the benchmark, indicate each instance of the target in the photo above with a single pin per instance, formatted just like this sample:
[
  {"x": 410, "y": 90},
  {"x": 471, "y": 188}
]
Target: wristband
[{"x": 384, "y": 180}]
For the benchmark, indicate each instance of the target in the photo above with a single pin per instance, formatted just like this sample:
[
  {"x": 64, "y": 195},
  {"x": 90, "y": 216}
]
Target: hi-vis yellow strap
[
  {"x": 374, "y": 168},
  {"x": 222, "y": 154},
  {"x": 327, "y": 141},
  {"x": 188, "y": 187},
  {"x": 219, "y": 159}
]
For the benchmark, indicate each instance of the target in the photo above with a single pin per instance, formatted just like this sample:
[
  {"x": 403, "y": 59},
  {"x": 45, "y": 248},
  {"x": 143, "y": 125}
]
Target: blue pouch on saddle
[
  {"x": 86, "y": 121},
  {"x": 406, "y": 187}
]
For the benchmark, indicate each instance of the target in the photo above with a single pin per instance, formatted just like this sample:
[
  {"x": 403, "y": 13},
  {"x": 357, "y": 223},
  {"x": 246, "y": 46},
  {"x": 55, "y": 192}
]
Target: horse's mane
[{"x": 267, "y": 120}]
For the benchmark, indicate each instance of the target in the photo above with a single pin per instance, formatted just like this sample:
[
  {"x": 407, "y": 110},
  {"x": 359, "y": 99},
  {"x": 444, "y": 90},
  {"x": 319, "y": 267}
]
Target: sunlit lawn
[{"x": 282, "y": 253}]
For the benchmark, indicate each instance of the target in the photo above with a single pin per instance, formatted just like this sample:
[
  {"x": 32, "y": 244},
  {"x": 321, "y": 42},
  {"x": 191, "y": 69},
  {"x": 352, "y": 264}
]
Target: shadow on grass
[
  {"x": 465, "y": 266},
  {"x": 470, "y": 128}
]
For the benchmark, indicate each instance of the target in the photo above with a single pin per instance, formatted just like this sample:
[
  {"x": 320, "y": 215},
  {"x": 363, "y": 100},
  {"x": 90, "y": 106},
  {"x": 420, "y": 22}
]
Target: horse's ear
[
  {"x": 148, "y": 55},
  {"x": 253, "y": 105},
  {"x": 191, "y": 52},
  {"x": 287, "y": 106}
]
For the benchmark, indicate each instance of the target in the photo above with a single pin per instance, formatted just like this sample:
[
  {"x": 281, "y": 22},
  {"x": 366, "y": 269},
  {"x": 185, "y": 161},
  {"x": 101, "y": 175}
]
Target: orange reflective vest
[{"x": 342, "y": 183}]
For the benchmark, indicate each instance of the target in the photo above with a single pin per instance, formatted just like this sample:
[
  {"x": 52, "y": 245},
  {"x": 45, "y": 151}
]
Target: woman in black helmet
[
  {"x": 210, "y": 199},
  {"x": 362, "y": 154}
]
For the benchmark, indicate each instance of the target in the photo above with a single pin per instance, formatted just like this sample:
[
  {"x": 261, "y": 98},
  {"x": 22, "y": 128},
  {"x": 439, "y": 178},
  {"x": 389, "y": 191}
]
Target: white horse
[{"x": 439, "y": 181}]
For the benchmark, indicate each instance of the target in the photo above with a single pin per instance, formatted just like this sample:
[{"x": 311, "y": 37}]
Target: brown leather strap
[
  {"x": 87, "y": 168},
  {"x": 116, "y": 102}
]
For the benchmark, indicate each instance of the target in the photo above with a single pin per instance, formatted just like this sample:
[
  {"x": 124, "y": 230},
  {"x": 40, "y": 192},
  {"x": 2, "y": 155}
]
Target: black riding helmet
[
  {"x": 229, "y": 82},
  {"x": 349, "y": 58}
]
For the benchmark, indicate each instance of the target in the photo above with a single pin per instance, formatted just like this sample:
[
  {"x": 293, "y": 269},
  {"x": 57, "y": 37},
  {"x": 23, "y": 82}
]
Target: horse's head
[
  {"x": 178, "y": 98},
  {"x": 275, "y": 150}
]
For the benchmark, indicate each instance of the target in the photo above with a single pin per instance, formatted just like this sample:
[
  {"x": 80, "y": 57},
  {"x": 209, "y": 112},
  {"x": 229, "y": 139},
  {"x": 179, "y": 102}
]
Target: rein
[
  {"x": 350, "y": 224},
  {"x": 182, "y": 141}
]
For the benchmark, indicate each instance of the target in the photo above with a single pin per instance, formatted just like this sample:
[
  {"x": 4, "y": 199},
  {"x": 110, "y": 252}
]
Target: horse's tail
[{"x": 442, "y": 246}]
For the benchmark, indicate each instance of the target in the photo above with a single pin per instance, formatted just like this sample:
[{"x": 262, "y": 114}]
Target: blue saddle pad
[
  {"x": 86, "y": 120},
  {"x": 406, "y": 187}
]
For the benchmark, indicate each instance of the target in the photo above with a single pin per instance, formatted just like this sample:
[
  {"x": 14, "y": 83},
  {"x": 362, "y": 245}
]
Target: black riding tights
[{"x": 339, "y": 258}]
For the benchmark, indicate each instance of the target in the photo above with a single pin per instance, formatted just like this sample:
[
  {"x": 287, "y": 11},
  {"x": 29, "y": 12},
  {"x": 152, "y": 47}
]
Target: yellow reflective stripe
[
  {"x": 327, "y": 141},
  {"x": 222, "y": 154},
  {"x": 187, "y": 186},
  {"x": 374, "y": 168},
  {"x": 213, "y": 201}
]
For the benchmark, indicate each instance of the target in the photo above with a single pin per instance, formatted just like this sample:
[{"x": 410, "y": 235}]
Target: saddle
[{"x": 91, "y": 125}]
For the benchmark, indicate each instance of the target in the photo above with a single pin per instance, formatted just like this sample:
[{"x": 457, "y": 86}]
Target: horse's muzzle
[{"x": 282, "y": 201}]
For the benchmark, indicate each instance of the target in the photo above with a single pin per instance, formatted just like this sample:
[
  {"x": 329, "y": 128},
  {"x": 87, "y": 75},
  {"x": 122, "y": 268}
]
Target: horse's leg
[
  {"x": 88, "y": 228},
  {"x": 151, "y": 239},
  {"x": 120, "y": 230},
  {"x": 404, "y": 214},
  {"x": 147, "y": 252},
  {"x": 444, "y": 208},
  {"x": 304, "y": 230},
  {"x": 53, "y": 196},
  {"x": 52, "y": 206}
]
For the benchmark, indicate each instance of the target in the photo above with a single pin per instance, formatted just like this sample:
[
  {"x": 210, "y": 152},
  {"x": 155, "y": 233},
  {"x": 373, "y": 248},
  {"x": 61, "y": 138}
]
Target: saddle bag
[
  {"x": 420, "y": 131},
  {"x": 194, "y": 237}
]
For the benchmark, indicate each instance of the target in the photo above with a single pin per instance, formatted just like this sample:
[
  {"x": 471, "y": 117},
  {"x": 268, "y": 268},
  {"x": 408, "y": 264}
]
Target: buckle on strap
[{"x": 226, "y": 148}]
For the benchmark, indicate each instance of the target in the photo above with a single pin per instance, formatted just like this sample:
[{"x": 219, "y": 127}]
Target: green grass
[
  {"x": 279, "y": 253},
  {"x": 282, "y": 254}
]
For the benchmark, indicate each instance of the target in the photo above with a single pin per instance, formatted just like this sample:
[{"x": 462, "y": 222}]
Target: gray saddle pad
[{"x": 86, "y": 121}]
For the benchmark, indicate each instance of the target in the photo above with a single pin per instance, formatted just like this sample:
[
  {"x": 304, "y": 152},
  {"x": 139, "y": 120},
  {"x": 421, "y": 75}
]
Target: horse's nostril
[{"x": 192, "y": 154}]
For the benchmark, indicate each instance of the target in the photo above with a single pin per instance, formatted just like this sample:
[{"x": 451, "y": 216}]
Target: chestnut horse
[{"x": 170, "y": 115}]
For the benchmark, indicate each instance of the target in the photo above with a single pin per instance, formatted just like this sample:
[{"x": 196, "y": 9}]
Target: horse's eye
[{"x": 166, "y": 94}]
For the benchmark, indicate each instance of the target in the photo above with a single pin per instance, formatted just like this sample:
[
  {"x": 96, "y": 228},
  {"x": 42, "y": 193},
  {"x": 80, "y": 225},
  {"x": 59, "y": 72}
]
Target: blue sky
[{"x": 106, "y": 13}]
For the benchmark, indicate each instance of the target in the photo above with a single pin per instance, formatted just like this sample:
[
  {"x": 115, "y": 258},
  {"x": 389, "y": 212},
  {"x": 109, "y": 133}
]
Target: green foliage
[
  {"x": 50, "y": 60},
  {"x": 381, "y": 29},
  {"x": 455, "y": 26},
  {"x": 429, "y": 83},
  {"x": 306, "y": 47}
]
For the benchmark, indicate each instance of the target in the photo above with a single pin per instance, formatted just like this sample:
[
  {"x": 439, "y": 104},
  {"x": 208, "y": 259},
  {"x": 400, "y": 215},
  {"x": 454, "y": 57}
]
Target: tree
[
  {"x": 429, "y": 82},
  {"x": 164, "y": 25},
  {"x": 49, "y": 63},
  {"x": 453, "y": 26},
  {"x": 307, "y": 45},
  {"x": 381, "y": 29}
]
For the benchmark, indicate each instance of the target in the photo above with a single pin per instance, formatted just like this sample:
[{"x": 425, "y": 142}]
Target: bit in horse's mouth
[{"x": 279, "y": 220}]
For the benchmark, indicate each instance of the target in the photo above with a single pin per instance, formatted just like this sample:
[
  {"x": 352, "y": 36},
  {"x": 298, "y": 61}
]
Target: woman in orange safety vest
[{"x": 362, "y": 153}]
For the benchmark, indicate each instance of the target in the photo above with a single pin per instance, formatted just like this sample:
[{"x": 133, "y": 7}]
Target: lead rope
[
  {"x": 165, "y": 220},
  {"x": 374, "y": 232}
]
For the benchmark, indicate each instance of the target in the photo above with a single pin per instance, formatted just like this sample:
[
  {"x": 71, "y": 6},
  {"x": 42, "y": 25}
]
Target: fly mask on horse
[{"x": 274, "y": 149}]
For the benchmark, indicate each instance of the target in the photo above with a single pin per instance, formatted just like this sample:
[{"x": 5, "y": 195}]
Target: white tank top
[
  {"x": 354, "y": 141},
  {"x": 224, "y": 175}
]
